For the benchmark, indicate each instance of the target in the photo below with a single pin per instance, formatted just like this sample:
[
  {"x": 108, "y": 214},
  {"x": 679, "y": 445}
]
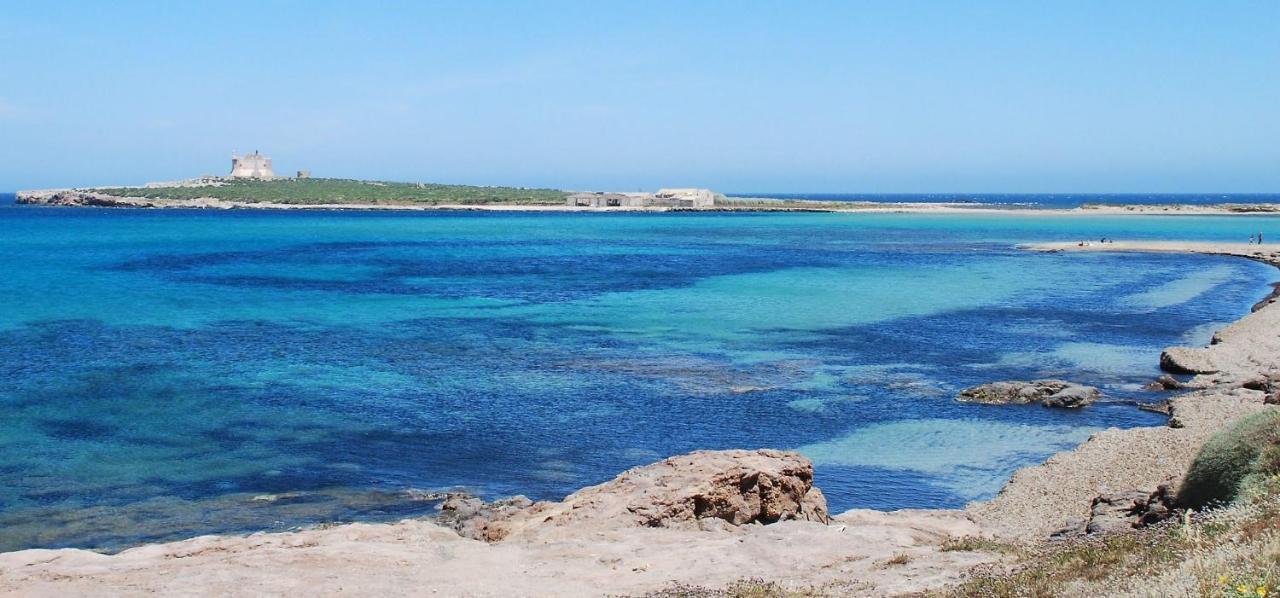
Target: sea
[{"x": 171, "y": 373}]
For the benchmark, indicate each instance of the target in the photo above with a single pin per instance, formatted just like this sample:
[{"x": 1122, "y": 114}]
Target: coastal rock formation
[
  {"x": 473, "y": 518},
  {"x": 700, "y": 490},
  {"x": 1186, "y": 360},
  {"x": 1050, "y": 393},
  {"x": 1041, "y": 499},
  {"x": 72, "y": 197},
  {"x": 422, "y": 558},
  {"x": 1165, "y": 382},
  {"x": 1122, "y": 511}
]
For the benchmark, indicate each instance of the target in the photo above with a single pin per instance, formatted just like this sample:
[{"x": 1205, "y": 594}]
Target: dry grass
[
  {"x": 979, "y": 544},
  {"x": 1215, "y": 554},
  {"x": 754, "y": 588},
  {"x": 899, "y": 558}
]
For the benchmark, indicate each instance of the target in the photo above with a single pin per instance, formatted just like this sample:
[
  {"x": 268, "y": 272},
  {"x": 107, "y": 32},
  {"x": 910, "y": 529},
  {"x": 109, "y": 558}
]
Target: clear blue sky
[{"x": 736, "y": 95}]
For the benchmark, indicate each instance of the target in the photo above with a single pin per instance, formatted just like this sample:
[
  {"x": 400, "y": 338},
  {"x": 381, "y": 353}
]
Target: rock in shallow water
[
  {"x": 1050, "y": 393},
  {"x": 1165, "y": 382}
]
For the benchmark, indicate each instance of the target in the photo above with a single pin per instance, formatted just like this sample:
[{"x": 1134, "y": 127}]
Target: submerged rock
[
  {"x": 1050, "y": 393},
  {"x": 1162, "y": 407},
  {"x": 733, "y": 487}
]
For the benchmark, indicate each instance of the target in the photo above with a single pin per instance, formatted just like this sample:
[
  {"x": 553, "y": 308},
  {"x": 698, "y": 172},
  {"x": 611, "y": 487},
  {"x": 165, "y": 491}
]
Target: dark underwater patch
[{"x": 75, "y": 429}]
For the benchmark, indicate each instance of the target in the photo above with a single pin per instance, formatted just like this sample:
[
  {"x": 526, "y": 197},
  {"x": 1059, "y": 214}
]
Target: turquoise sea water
[{"x": 171, "y": 373}]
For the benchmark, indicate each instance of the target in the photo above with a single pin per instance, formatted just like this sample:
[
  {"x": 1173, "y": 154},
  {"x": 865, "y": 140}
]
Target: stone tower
[{"x": 251, "y": 166}]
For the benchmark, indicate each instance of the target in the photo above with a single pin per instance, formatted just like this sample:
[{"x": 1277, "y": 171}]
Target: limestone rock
[
  {"x": 1166, "y": 382},
  {"x": 1073, "y": 528},
  {"x": 1112, "y": 513},
  {"x": 1158, "y": 507},
  {"x": 473, "y": 518},
  {"x": 1050, "y": 393},
  {"x": 737, "y": 487},
  {"x": 1072, "y": 397},
  {"x": 1186, "y": 360},
  {"x": 1122, "y": 511}
]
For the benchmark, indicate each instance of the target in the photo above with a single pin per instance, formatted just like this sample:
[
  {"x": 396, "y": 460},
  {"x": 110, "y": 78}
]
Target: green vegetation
[
  {"x": 1234, "y": 462},
  {"x": 347, "y": 191},
  {"x": 1232, "y": 551}
]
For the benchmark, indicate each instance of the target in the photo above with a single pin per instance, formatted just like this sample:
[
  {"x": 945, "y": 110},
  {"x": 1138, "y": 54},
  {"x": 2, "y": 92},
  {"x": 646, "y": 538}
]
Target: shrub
[{"x": 1239, "y": 458}]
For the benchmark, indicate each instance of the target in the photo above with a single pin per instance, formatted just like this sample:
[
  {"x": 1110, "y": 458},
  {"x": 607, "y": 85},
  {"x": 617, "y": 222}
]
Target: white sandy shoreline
[{"x": 424, "y": 558}]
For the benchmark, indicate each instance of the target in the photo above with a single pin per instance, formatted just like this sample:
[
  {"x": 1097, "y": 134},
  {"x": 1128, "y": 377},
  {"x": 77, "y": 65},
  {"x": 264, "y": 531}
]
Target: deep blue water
[
  {"x": 165, "y": 371},
  {"x": 1045, "y": 200}
]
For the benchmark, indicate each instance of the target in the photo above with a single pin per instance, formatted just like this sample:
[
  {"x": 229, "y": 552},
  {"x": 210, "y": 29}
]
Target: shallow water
[{"x": 164, "y": 368}]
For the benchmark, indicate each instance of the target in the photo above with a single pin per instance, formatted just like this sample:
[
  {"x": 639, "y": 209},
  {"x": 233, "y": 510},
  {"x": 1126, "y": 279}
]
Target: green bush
[{"x": 1235, "y": 460}]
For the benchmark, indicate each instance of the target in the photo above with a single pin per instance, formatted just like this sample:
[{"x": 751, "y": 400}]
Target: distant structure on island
[
  {"x": 251, "y": 166},
  {"x": 695, "y": 198},
  {"x": 673, "y": 198}
]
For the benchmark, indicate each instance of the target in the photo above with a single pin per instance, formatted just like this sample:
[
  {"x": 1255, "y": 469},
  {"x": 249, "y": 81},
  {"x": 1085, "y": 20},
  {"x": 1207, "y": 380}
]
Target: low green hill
[{"x": 346, "y": 191}]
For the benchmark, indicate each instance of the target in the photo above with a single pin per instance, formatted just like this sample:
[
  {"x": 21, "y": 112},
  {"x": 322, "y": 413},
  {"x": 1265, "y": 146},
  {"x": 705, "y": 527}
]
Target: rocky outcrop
[
  {"x": 700, "y": 490},
  {"x": 1122, "y": 511},
  {"x": 1165, "y": 382},
  {"x": 473, "y": 518},
  {"x": 73, "y": 197},
  {"x": 1050, "y": 393},
  {"x": 1186, "y": 360}
]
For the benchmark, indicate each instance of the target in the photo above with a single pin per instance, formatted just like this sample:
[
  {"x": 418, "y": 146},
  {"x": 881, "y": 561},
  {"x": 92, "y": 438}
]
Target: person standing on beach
[
  {"x": 1251, "y": 239},
  {"x": 1259, "y": 237}
]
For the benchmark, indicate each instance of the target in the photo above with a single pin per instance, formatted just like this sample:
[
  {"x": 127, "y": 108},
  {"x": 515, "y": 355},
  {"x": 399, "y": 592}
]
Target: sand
[{"x": 854, "y": 555}]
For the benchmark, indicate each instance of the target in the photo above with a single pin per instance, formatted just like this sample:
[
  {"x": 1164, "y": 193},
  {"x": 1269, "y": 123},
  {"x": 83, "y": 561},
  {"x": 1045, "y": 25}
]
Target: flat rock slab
[
  {"x": 1050, "y": 393},
  {"x": 1187, "y": 360}
]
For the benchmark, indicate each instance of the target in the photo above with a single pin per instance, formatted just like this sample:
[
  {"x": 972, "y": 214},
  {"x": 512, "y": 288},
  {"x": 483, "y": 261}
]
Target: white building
[{"x": 251, "y": 166}]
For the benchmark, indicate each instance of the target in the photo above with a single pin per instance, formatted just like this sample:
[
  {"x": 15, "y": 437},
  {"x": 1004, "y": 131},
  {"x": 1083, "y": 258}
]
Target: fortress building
[
  {"x": 690, "y": 198},
  {"x": 251, "y": 166}
]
